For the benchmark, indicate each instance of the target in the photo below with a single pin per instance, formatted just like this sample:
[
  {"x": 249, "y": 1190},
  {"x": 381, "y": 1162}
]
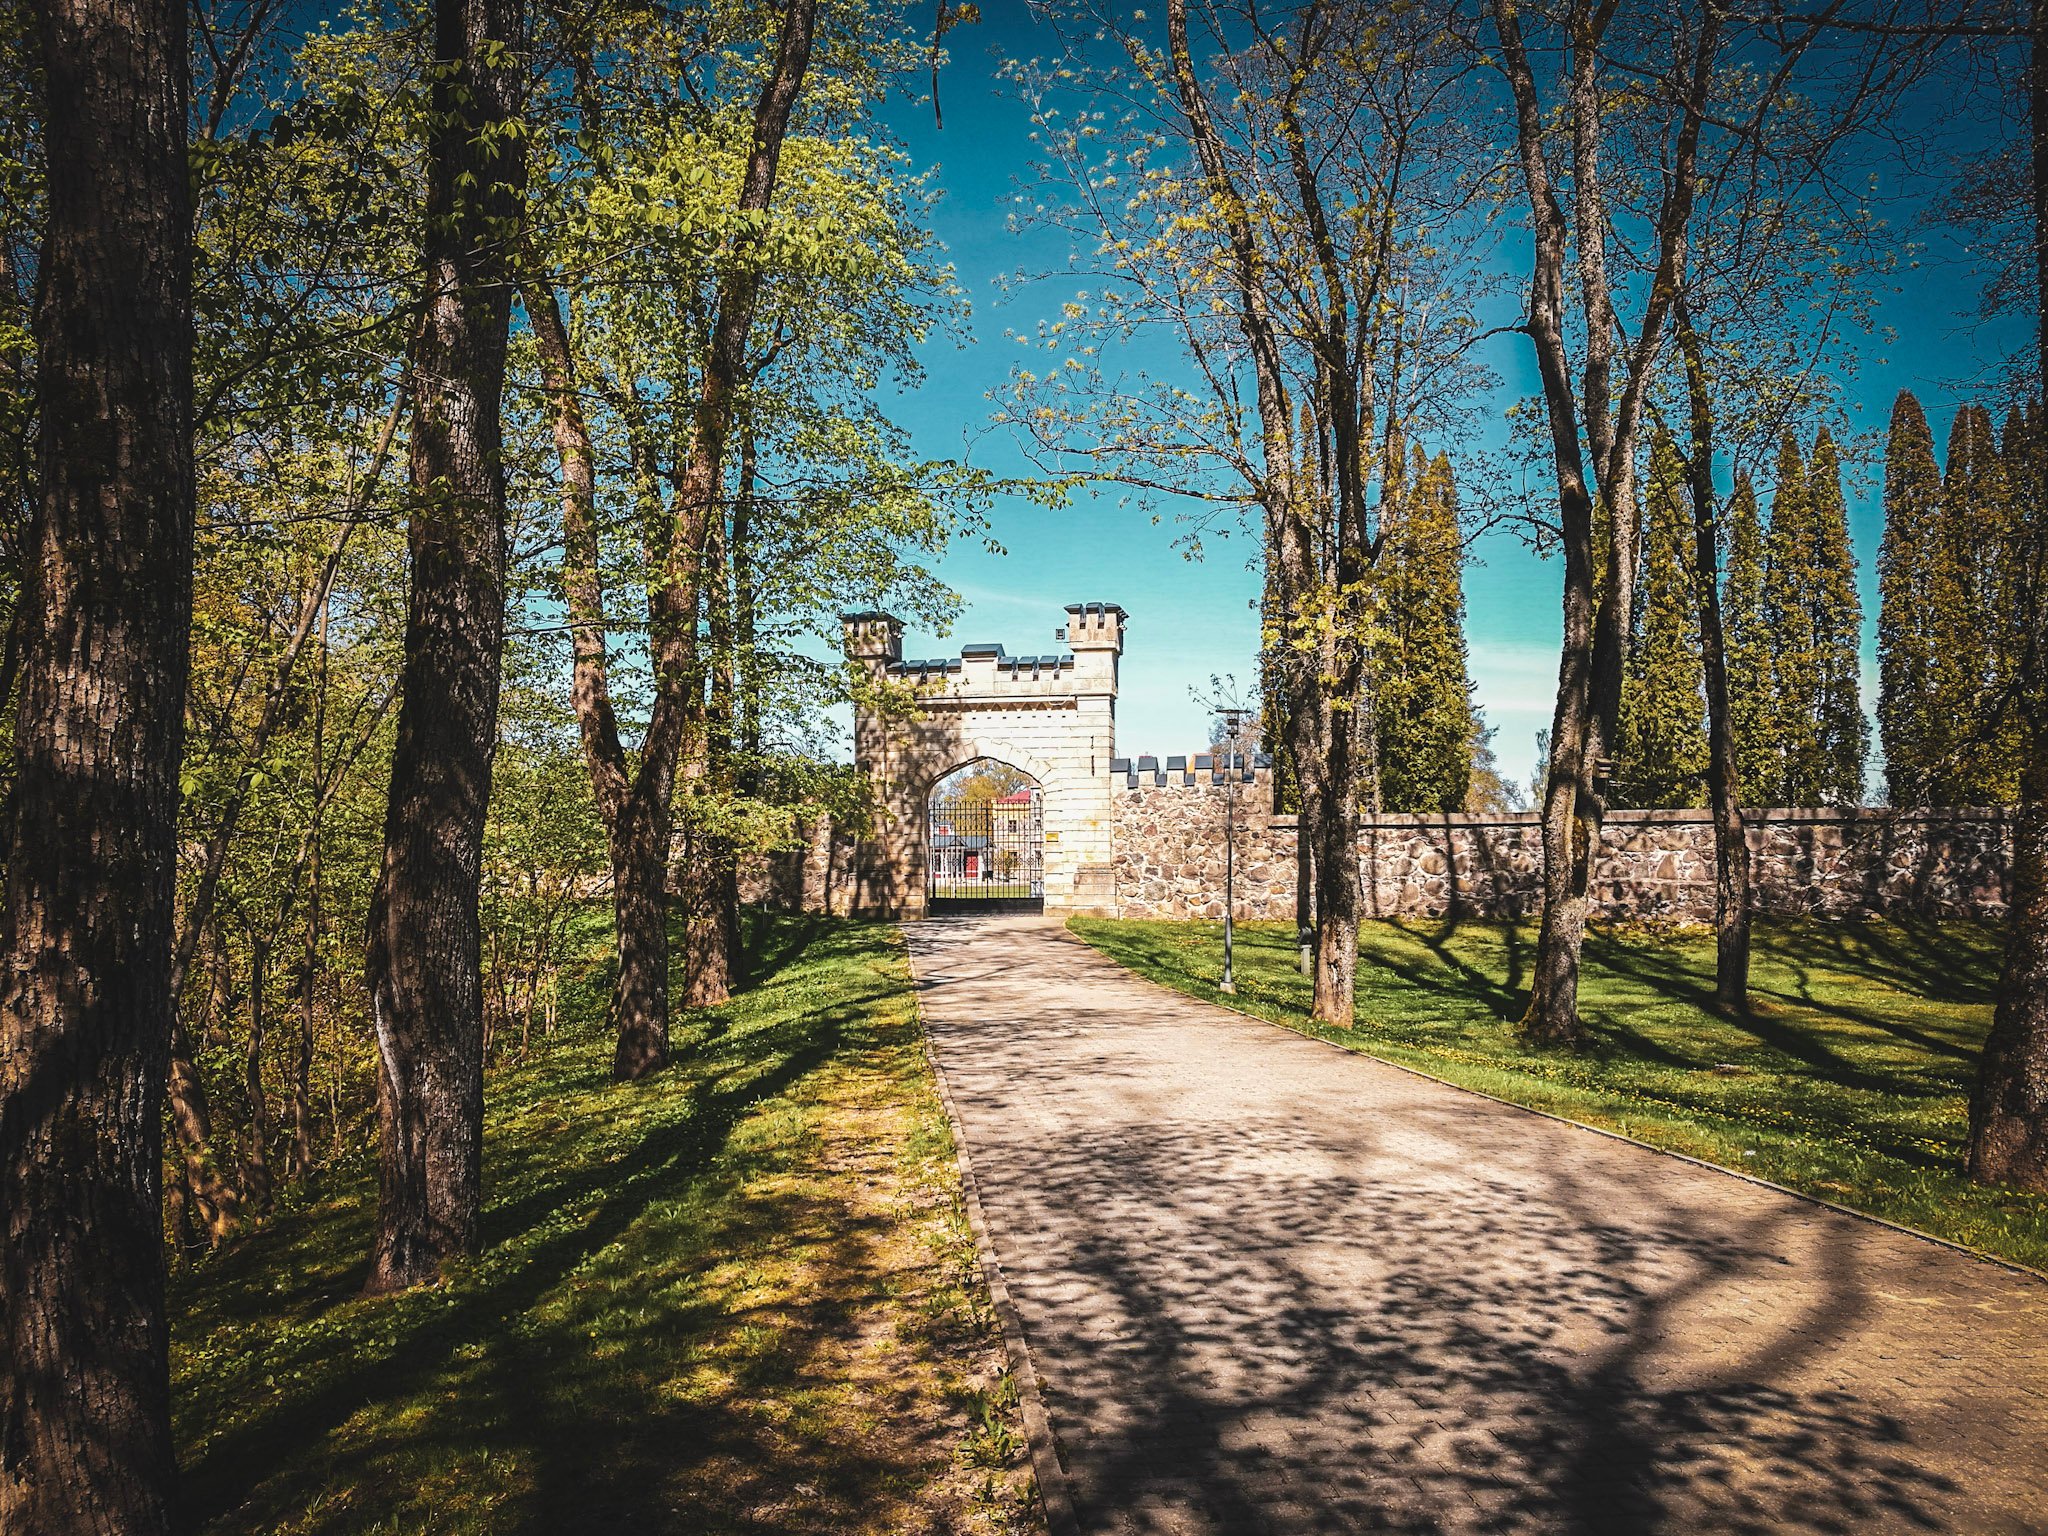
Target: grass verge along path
[
  {"x": 739, "y": 1296},
  {"x": 1849, "y": 1080}
]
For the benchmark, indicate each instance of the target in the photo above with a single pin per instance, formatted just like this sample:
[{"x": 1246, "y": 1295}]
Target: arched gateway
[{"x": 1052, "y": 718}]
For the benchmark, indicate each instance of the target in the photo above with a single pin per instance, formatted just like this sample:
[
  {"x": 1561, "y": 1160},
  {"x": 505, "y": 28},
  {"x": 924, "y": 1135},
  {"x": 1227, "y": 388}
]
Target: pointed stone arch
[{"x": 1052, "y": 717}]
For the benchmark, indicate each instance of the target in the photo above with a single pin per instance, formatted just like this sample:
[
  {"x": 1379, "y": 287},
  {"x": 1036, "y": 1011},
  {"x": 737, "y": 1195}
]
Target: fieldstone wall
[
  {"x": 1167, "y": 839},
  {"x": 1168, "y": 859},
  {"x": 828, "y": 873}
]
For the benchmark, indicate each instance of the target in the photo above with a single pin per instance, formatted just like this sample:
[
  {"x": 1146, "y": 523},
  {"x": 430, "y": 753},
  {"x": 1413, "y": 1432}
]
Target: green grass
[
  {"x": 739, "y": 1296},
  {"x": 1849, "y": 1081}
]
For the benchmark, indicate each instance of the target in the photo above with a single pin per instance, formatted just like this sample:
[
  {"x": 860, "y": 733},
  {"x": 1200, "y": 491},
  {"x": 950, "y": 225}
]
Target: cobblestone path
[{"x": 1269, "y": 1287}]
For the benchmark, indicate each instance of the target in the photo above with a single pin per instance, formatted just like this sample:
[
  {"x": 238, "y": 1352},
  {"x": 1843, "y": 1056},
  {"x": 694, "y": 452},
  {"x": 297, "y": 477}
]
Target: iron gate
[{"x": 986, "y": 854}]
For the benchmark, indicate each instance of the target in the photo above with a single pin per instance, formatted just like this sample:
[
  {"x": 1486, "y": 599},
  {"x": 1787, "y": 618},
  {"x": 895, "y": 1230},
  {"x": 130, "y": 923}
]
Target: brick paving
[{"x": 1270, "y": 1287}]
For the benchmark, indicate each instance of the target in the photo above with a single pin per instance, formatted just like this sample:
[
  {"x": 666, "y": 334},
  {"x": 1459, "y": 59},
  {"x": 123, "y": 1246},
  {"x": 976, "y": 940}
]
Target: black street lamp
[{"x": 1233, "y": 721}]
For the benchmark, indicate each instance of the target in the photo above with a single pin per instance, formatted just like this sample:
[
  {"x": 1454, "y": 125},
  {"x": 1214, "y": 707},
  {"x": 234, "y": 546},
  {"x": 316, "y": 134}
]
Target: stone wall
[
  {"x": 1168, "y": 859},
  {"x": 1167, "y": 839},
  {"x": 1832, "y": 863},
  {"x": 825, "y": 874}
]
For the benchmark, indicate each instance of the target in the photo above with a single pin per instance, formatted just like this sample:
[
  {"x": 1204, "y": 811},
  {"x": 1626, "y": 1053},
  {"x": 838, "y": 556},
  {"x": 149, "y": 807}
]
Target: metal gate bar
[{"x": 986, "y": 854}]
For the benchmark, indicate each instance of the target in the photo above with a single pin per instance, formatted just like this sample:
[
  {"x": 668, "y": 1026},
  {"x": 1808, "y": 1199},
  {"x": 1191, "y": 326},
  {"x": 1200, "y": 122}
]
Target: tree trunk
[
  {"x": 2009, "y": 1111},
  {"x": 701, "y": 485},
  {"x": 1336, "y": 859},
  {"x": 1724, "y": 790},
  {"x": 85, "y": 1000},
  {"x": 218, "y": 1199},
  {"x": 633, "y": 806},
  {"x": 301, "y": 1161},
  {"x": 1587, "y": 665},
  {"x": 308, "y": 989},
  {"x": 640, "y": 907},
  {"x": 426, "y": 998},
  {"x": 1304, "y": 899},
  {"x": 1328, "y": 813},
  {"x": 636, "y": 807},
  {"x": 711, "y": 925},
  {"x": 721, "y": 878},
  {"x": 256, "y": 1148},
  {"x": 1596, "y": 611}
]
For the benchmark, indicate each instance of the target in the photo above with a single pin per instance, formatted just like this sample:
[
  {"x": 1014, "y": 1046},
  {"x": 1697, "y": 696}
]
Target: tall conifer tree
[
  {"x": 1908, "y": 638},
  {"x": 1425, "y": 711},
  {"x": 1749, "y": 650},
  {"x": 1971, "y": 608},
  {"x": 1815, "y": 619},
  {"x": 1661, "y": 754},
  {"x": 1838, "y": 626},
  {"x": 1788, "y": 633}
]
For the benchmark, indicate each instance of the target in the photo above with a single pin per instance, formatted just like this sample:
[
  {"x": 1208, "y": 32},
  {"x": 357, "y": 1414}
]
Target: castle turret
[
  {"x": 1095, "y": 635},
  {"x": 874, "y": 637}
]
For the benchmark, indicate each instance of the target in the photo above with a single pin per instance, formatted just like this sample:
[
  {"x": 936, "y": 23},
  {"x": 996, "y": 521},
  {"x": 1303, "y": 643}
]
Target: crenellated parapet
[
  {"x": 1198, "y": 770},
  {"x": 985, "y": 672}
]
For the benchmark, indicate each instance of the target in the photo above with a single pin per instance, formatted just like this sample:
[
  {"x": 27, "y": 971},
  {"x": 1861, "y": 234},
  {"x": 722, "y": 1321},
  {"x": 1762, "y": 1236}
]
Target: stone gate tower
[{"x": 1053, "y": 717}]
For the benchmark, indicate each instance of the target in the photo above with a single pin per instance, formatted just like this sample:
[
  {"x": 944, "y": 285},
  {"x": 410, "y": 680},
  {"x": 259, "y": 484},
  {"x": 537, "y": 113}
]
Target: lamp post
[{"x": 1233, "y": 720}]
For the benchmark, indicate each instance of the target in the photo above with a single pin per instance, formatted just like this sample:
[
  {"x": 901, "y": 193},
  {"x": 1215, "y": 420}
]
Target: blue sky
[{"x": 1191, "y": 619}]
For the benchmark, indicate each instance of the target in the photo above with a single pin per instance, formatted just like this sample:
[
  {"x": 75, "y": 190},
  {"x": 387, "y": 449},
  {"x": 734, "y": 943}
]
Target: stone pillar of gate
[{"x": 1053, "y": 716}]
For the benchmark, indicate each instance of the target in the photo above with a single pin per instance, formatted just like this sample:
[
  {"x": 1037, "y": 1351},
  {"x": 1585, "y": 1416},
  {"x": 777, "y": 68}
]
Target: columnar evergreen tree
[
  {"x": 1949, "y": 631},
  {"x": 1661, "y": 750},
  {"x": 2007, "y": 598},
  {"x": 1908, "y": 635},
  {"x": 1749, "y": 650},
  {"x": 1980, "y": 765},
  {"x": 1815, "y": 618},
  {"x": 1787, "y": 649},
  {"x": 1424, "y": 695}
]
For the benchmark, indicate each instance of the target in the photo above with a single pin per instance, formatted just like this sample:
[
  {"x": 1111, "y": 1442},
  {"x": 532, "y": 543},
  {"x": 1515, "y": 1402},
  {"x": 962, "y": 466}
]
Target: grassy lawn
[
  {"x": 1849, "y": 1082},
  {"x": 741, "y": 1296}
]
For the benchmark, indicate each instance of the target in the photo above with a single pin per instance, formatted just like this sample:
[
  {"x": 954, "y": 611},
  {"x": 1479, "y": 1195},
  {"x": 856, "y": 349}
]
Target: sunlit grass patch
[
  {"x": 728, "y": 1298},
  {"x": 1849, "y": 1080}
]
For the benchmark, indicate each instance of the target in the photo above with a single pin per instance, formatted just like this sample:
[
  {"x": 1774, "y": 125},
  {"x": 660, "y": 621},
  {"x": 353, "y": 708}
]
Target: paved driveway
[{"x": 1267, "y": 1286}]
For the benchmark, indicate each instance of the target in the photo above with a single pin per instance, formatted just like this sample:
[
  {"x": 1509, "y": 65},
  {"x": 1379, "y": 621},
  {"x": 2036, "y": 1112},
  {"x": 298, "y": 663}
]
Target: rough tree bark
[
  {"x": 2009, "y": 1110},
  {"x": 712, "y": 945},
  {"x": 422, "y": 962},
  {"x": 636, "y": 803},
  {"x": 1724, "y": 790},
  {"x": 85, "y": 1001},
  {"x": 1589, "y": 421},
  {"x": 308, "y": 987},
  {"x": 1319, "y": 754},
  {"x": 701, "y": 484},
  {"x": 633, "y": 804}
]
